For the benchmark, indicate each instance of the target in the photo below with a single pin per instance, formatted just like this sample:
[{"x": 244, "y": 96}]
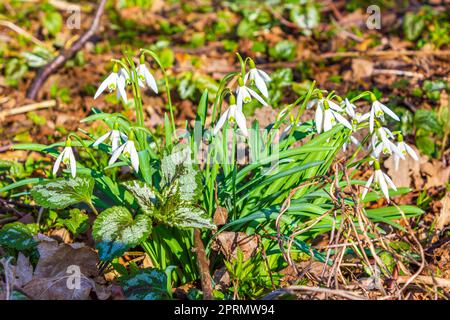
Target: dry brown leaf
[
  {"x": 220, "y": 216},
  {"x": 362, "y": 68},
  {"x": 23, "y": 271},
  {"x": 55, "y": 267},
  {"x": 437, "y": 173},
  {"x": 228, "y": 242},
  {"x": 444, "y": 216}
]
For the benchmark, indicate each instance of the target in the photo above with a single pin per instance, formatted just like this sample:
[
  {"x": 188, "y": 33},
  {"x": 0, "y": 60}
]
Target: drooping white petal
[
  {"x": 115, "y": 139},
  {"x": 349, "y": 108},
  {"x": 341, "y": 120},
  {"x": 393, "y": 148},
  {"x": 121, "y": 93},
  {"x": 319, "y": 117},
  {"x": 264, "y": 75},
  {"x": 257, "y": 97},
  {"x": 134, "y": 157},
  {"x": 411, "y": 152},
  {"x": 389, "y": 112},
  {"x": 367, "y": 186},
  {"x": 389, "y": 181},
  {"x": 72, "y": 162},
  {"x": 58, "y": 162},
  {"x": 361, "y": 118},
  {"x": 261, "y": 85},
  {"x": 116, "y": 154},
  {"x": 380, "y": 179},
  {"x": 149, "y": 79},
  {"x": 327, "y": 120},
  {"x": 102, "y": 138},
  {"x": 241, "y": 121},
  {"x": 111, "y": 79},
  {"x": 240, "y": 96},
  {"x": 372, "y": 119},
  {"x": 221, "y": 121},
  {"x": 334, "y": 106}
]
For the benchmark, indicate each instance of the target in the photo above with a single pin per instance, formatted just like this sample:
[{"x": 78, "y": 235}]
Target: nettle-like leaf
[
  {"x": 144, "y": 194},
  {"x": 17, "y": 236},
  {"x": 115, "y": 231},
  {"x": 188, "y": 216},
  {"x": 177, "y": 212},
  {"x": 178, "y": 168},
  {"x": 61, "y": 193},
  {"x": 181, "y": 187},
  {"x": 145, "y": 284},
  {"x": 77, "y": 222}
]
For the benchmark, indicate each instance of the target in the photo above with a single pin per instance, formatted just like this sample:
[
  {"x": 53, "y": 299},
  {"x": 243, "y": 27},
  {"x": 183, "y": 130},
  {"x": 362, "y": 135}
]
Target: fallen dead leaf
[
  {"x": 54, "y": 275},
  {"x": 220, "y": 216},
  {"x": 228, "y": 242},
  {"x": 444, "y": 216},
  {"x": 362, "y": 68}
]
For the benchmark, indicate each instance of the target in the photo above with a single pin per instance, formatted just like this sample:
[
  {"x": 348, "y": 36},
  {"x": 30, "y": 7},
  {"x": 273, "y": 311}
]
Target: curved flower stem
[
  {"x": 85, "y": 147},
  {"x": 302, "y": 108},
  {"x": 219, "y": 97},
  {"x": 167, "y": 87}
]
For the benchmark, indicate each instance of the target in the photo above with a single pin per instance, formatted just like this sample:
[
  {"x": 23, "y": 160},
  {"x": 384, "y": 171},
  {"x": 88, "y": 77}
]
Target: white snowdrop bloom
[
  {"x": 114, "y": 82},
  {"x": 145, "y": 77},
  {"x": 128, "y": 149},
  {"x": 232, "y": 114},
  {"x": 404, "y": 149},
  {"x": 349, "y": 108},
  {"x": 125, "y": 76},
  {"x": 381, "y": 143},
  {"x": 327, "y": 116},
  {"x": 382, "y": 180},
  {"x": 377, "y": 111},
  {"x": 259, "y": 77},
  {"x": 353, "y": 140},
  {"x": 67, "y": 157},
  {"x": 245, "y": 94},
  {"x": 114, "y": 135}
]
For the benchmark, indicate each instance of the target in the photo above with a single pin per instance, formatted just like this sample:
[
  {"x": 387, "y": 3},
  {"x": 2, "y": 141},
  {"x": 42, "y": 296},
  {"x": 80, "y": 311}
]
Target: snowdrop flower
[
  {"x": 349, "y": 107},
  {"x": 381, "y": 143},
  {"x": 233, "y": 114},
  {"x": 67, "y": 157},
  {"x": 114, "y": 82},
  {"x": 327, "y": 116},
  {"x": 383, "y": 181},
  {"x": 145, "y": 77},
  {"x": 128, "y": 150},
  {"x": 353, "y": 140},
  {"x": 245, "y": 94},
  {"x": 404, "y": 149},
  {"x": 357, "y": 117},
  {"x": 259, "y": 77},
  {"x": 377, "y": 111},
  {"x": 114, "y": 135}
]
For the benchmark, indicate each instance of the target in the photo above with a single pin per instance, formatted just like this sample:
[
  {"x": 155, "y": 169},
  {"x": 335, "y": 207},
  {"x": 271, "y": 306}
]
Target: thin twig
[
  {"x": 59, "y": 61},
  {"x": 26, "y": 34},
  {"x": 28, "y": 108}
]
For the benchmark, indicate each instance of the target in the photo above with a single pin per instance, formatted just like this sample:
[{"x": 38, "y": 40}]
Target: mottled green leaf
[
  {"x": 115, "y": 230},
  {"x": 145, "y": 284},
  {"x": 144, "y": 194},
  {"x": 61, "y": 193},
  {"x": 77, "y": 222},
  {"x": 17, "y": 236}
]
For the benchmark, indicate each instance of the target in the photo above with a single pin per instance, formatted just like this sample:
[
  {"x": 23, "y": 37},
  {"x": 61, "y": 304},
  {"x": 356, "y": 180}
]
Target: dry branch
[
  {"x": 203, "y": 266},
  {"x": 66, "y": 54},
  {"x": 28, "y": 108}
]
